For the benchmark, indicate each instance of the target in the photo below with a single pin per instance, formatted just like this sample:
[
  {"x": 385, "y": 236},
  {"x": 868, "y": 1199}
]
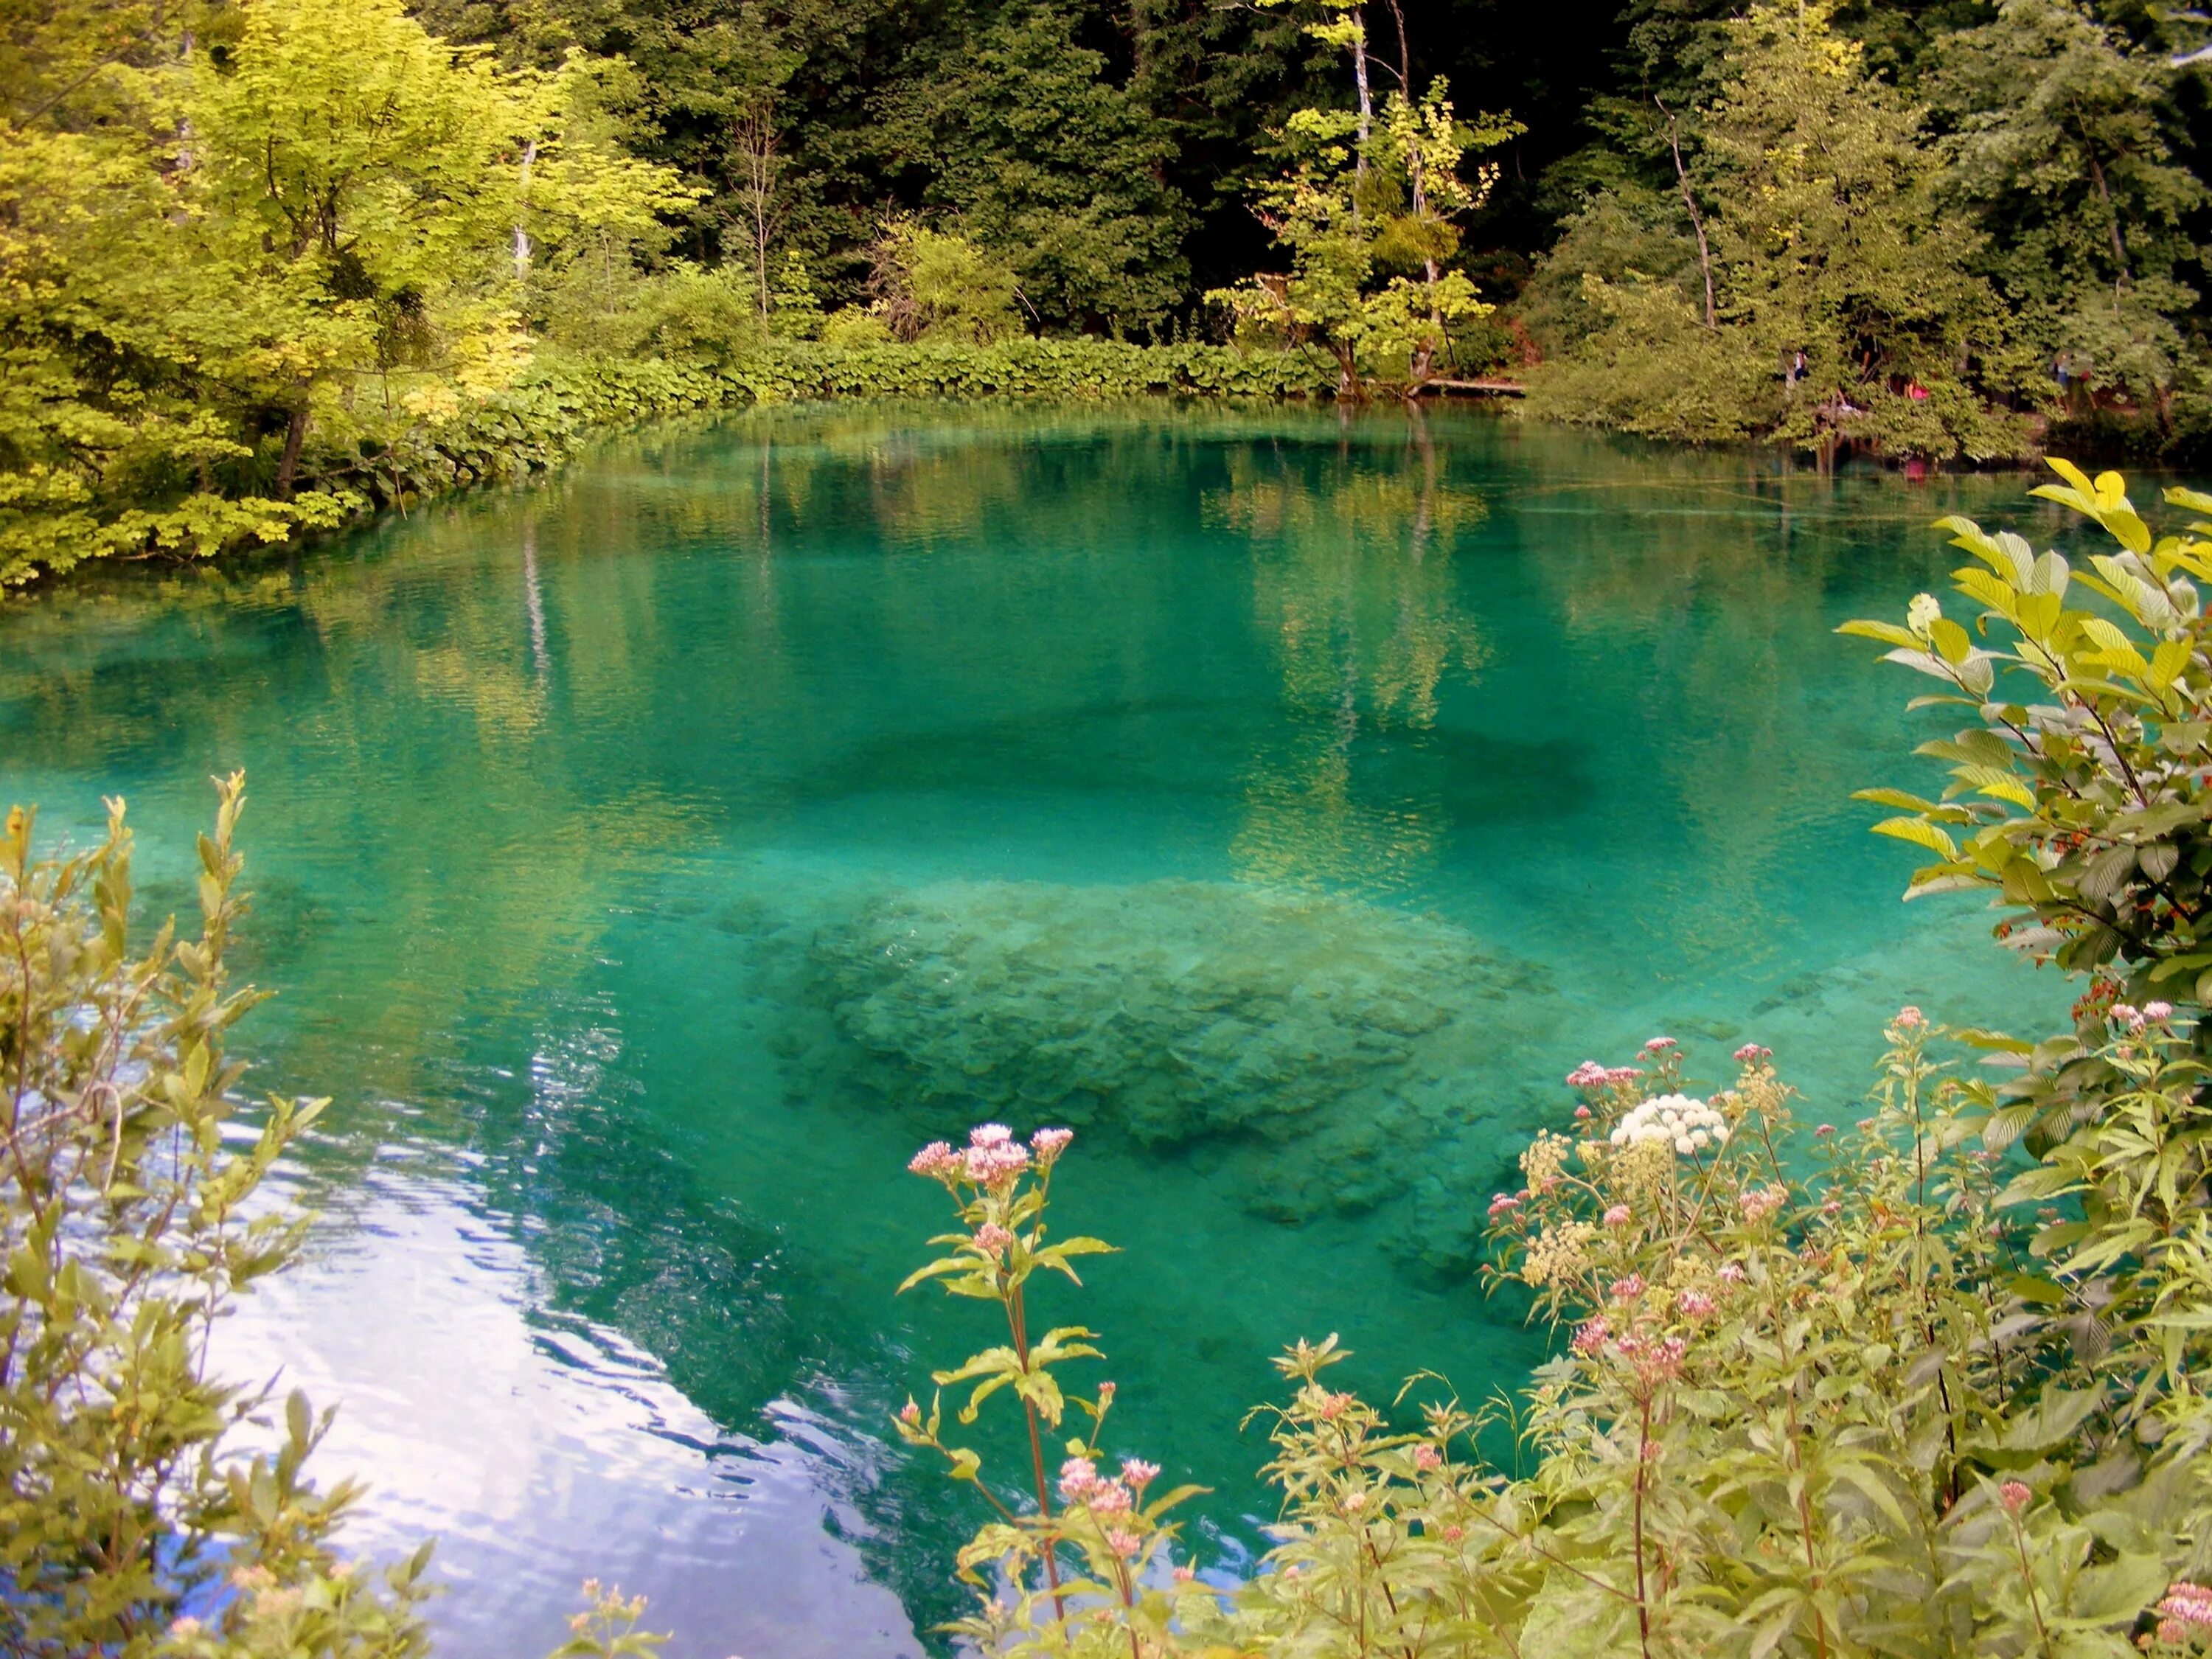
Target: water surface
[{"x": 649, "y": 860}]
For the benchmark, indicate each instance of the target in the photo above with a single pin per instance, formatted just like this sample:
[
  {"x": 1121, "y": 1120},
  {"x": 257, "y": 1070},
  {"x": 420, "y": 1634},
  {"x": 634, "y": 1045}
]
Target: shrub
[
  {"x": 938, "y": 286},
  {"x": 129, "y": 1523}
]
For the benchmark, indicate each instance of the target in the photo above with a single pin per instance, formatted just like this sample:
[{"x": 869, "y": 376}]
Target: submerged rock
[{"x": 1335, "y": 1042}]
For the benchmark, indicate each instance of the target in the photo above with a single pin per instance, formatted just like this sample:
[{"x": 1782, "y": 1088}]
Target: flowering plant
[
  {"x": 1814, "y": 1398},
  {"x": 1108, "y": 1532}
]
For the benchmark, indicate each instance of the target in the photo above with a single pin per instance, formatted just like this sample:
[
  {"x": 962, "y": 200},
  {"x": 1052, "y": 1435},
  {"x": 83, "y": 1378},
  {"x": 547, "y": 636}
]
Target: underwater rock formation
[{"x": 1329, "y": 1042}]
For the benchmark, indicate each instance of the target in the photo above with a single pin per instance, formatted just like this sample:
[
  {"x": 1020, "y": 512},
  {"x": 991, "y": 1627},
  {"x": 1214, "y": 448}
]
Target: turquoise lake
[{"x": 650, "y": 859}]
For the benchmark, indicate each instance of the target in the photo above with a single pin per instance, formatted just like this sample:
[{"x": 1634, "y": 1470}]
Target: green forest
[{"x": 268, "y": 264}]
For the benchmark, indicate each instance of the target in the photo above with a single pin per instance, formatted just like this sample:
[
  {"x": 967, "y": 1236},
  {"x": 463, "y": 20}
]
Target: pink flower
[
  {"x": 937, "y": 1160},
  {"x": 1751, "y": 1053},
  {"x": 1654, "y": 1362},
  {"x": 1138, "y": 1472},
  {"x": 1077, "y": 1476},
  {"x": 1732, "y": 1273},
  {"x": 910, "y": 1413},
  {"x": 1910, "y": 1019},
  {"x": 1050, "y": 1144},
  {"x": 1125, "y": 1544},
  {"x": 1660, "y": 1045},
  {"x": 2186, "y": 1604},
  {"x": 2015, "y": 1496},
  {"x": 990, "y": 1134},
  {"x": 1696, "y": 1304},
  {"x": 1184, "y": 1575},
  {"x": 1617, "y": 1216},
  {"x": 1354, "y": 1501},
  {"x": 994, "y": 1163},
  {"x": 1823, "y": 1131},
  {"x": 2173, "y": 1632},
  {"x": 1591, "y": 1337},
  {"x": 1587, "y": 1075},
  {"x": 1761, "y": 1202},
  {"x": 1108, "y": 1498},
  {"x": 1621, "y": 1074},
  {"x": 2160, "y": 1011},
  {"x": 1628, "y": 1289},
  {"x": 1582, "y": 1114},
  {"x": 993, "y": 1239},
  {"x": 1453, "y": 1534},
  {"x": 1427, "y": 1458},
  {"x": 1333, "y": 1406},
  {"x": 1503, "y": 1204},
  {"x": 1105, "y": 1394},
  {"x": 2130, "y": 1019}
]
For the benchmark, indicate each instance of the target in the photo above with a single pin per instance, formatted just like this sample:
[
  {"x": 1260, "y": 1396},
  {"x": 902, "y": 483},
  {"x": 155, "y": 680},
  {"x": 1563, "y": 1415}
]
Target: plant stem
[
  {"x": 2027, "y": 1578},
  {"x": 1643, "y": 1455},
  {"x": 1019, "y": 1325}
]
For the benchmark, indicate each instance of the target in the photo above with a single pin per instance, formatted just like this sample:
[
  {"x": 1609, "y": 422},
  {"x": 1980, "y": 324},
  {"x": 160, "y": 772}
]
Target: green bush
[
  {"x": 130, "y": 1524},
  {"x": 132, "y": 1521},
  {"x": 716, "y": 357}
]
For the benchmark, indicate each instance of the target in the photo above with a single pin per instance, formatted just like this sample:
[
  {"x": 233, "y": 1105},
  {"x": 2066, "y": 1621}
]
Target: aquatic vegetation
[{"x": 1317, "y": 1032}]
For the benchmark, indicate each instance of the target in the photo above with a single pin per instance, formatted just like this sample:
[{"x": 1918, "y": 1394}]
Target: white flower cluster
[{"x": 1689, "y": 1126}]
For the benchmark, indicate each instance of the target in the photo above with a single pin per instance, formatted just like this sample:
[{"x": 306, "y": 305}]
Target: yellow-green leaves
[
  {"x": 2104, "y": 499},
  {"x": 1921, "y": 832}
]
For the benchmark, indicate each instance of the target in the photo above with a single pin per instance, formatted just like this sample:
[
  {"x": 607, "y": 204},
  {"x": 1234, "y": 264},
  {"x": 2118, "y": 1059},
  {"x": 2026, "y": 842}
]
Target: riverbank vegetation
[{"x": 268, "y": 264}]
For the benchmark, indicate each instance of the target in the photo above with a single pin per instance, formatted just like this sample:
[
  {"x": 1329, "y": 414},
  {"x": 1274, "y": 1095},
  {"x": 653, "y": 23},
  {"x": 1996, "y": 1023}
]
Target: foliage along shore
[{"x": 268, "y": 264}]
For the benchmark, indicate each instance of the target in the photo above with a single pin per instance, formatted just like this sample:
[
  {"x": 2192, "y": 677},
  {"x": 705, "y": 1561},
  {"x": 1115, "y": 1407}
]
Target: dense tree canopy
[{"x": 264, "y": 262}]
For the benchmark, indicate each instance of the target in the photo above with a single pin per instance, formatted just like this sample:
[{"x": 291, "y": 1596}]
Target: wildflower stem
[
  {"x": 1643, "y": 1462},
  {"x": 2027, "y": 1578},
  {"x": 1805, "y": 1521},
  {"x": 1017, "y": 1325}
]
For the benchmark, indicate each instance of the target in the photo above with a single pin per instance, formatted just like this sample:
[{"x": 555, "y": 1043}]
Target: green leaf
[
  {"x": 1920, "y": 833},
  {"x": 1949, "y": 640},
  {"x": 937, "y": 1269},
  {"x": 1887, "y": 633},
  {"x": 1911, "y": 803}
]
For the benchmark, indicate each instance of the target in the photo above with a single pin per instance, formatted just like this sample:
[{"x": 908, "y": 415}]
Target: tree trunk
[
  {"x": 1347, "y": 373},
  {"x": 1690, "y": 202},
  {"x": 296, "y": 434},
  {"x": 2111, "y": 213},
  {"x": 521, "y": 235},
  {"x": 1366, "y": 97}
]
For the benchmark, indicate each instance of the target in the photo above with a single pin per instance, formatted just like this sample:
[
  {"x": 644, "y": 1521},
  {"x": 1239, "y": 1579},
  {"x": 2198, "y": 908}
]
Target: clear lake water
[{"x": 650, "y": 858}]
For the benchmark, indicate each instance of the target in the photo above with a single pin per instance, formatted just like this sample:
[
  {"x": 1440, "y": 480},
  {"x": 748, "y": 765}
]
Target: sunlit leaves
[{"x": 129, "y": 1172}]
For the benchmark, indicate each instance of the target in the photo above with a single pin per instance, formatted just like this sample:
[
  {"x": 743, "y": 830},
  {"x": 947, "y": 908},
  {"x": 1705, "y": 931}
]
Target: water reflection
[
  {"x": 540, "y": 1449},
  {"x": 1353, "y": 587}
]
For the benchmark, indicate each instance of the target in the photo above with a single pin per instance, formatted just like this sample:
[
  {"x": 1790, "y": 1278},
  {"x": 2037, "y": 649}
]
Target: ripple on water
[{"x": 540, "y": 1452}]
